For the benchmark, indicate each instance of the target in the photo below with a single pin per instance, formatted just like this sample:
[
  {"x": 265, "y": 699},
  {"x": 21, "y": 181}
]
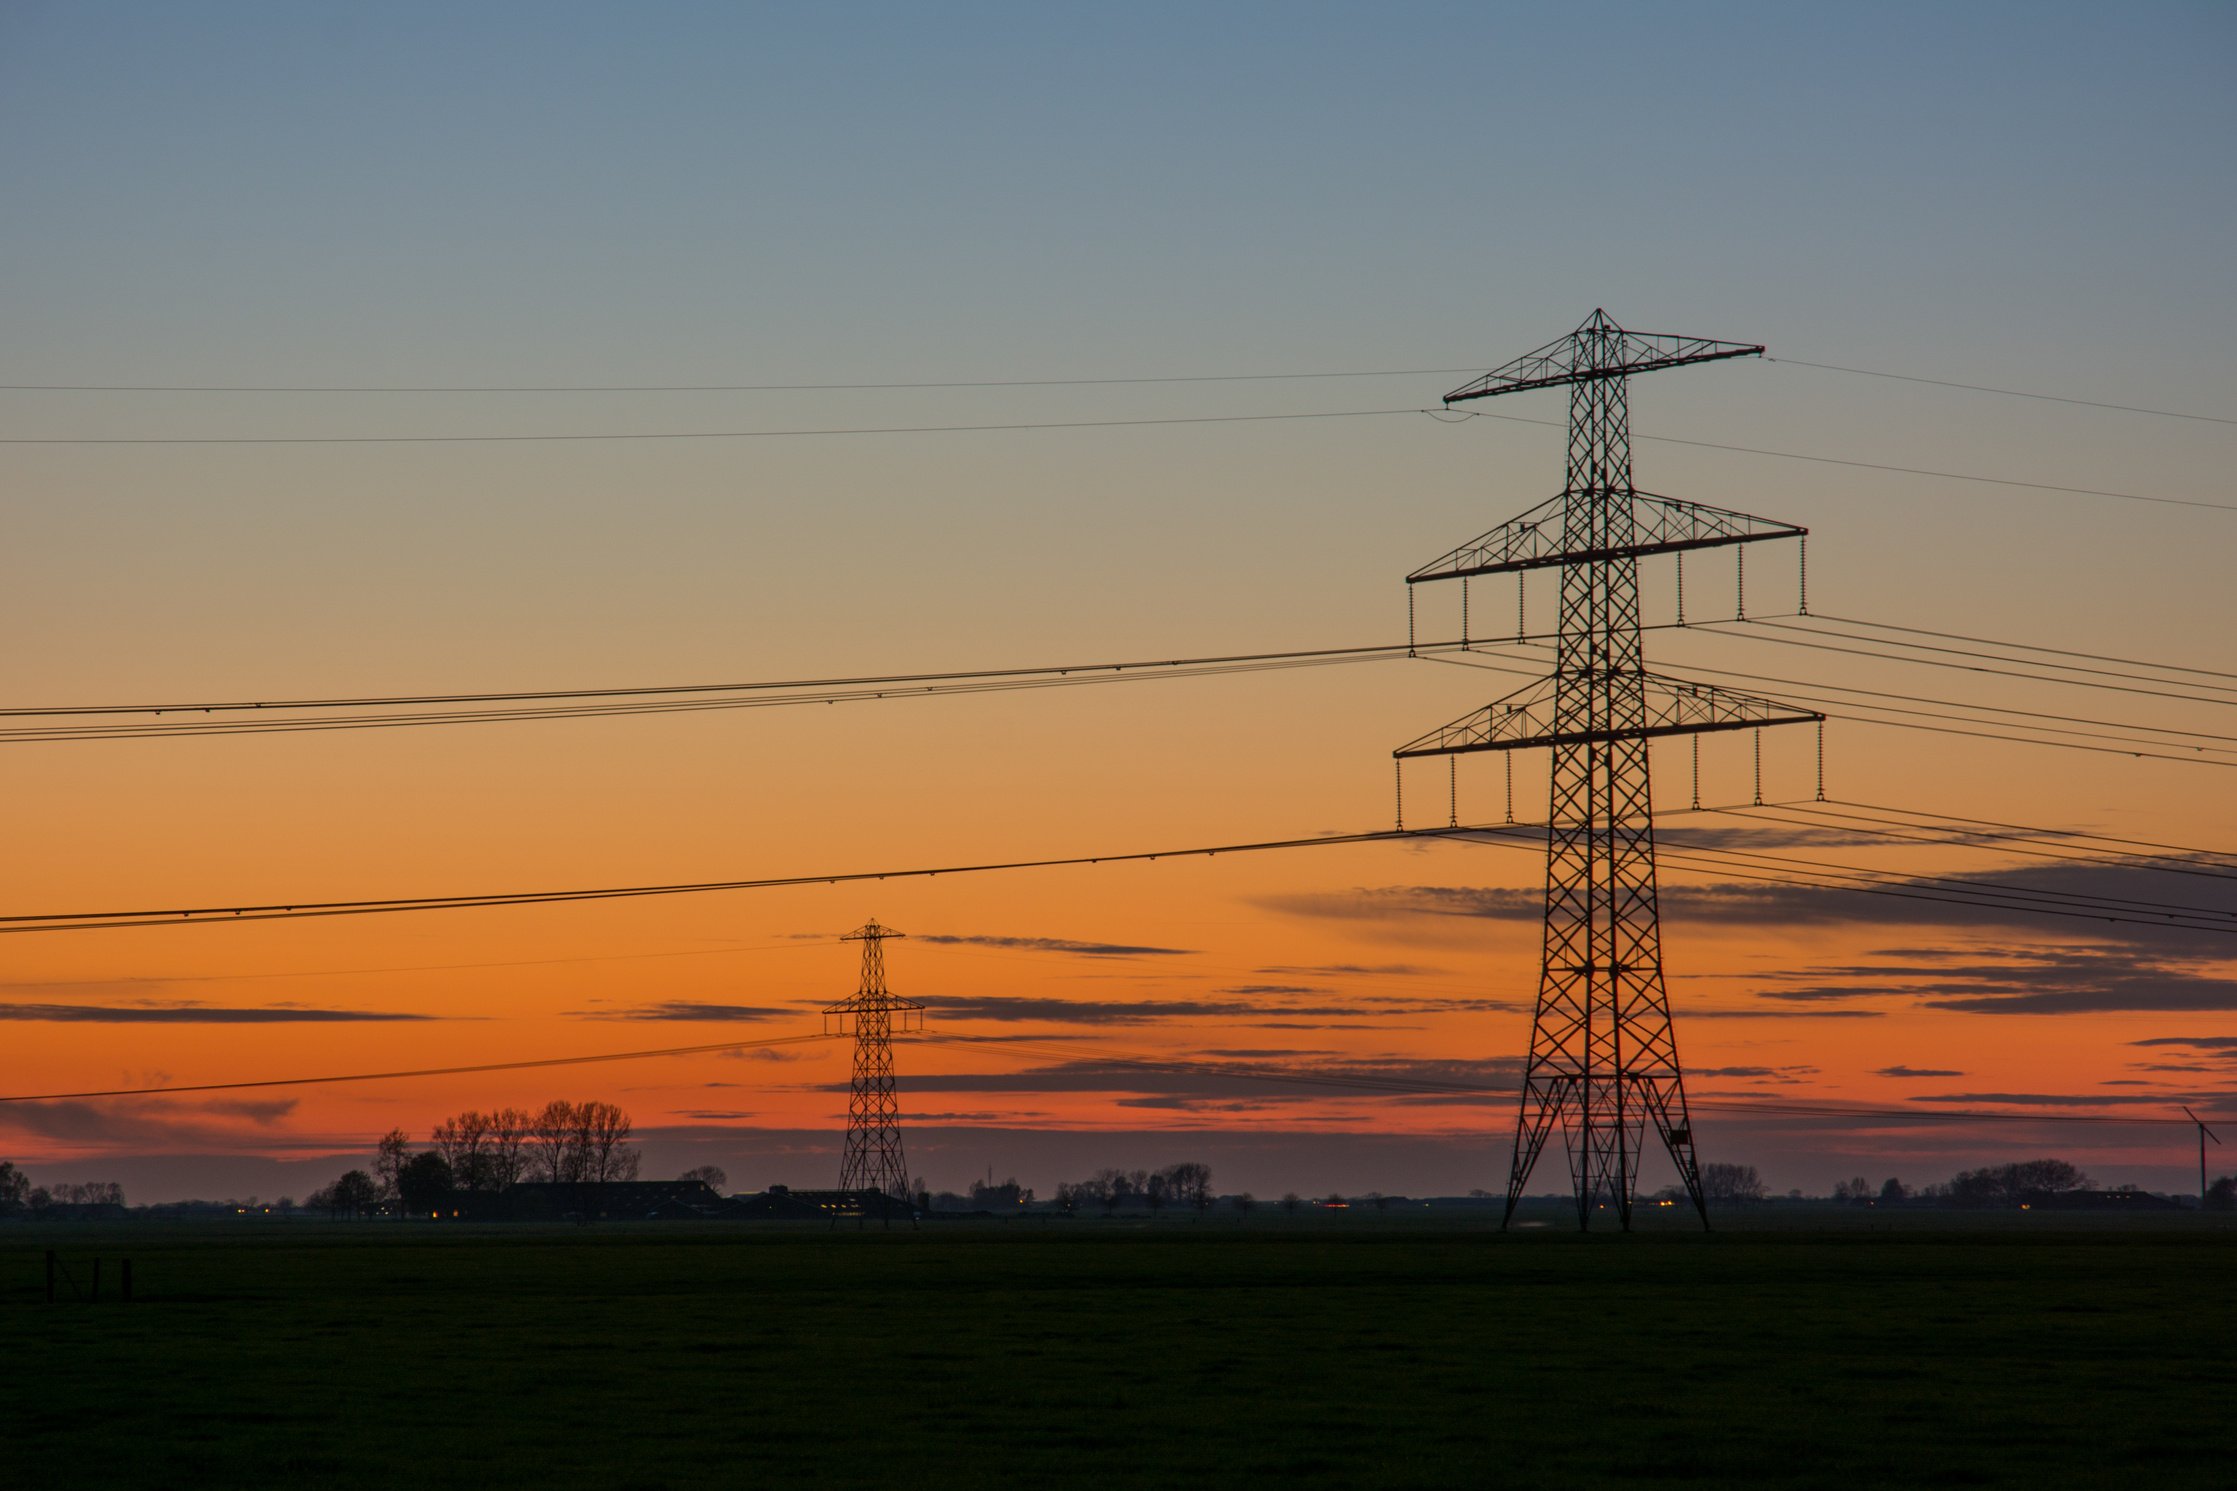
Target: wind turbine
[{"x": 2204, "y": 1134}]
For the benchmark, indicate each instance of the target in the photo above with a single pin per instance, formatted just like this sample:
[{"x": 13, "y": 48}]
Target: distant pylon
[
  {"x": 874, "y": 1161},
  {"x": 1603, "y": 1057}
]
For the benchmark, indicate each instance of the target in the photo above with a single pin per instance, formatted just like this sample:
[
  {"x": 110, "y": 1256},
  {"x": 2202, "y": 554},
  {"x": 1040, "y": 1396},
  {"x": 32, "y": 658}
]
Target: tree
[
  {"x": 712, "y": 1174},
  {"x": 15, "y": 1189},
  {"x": 1291, "y": 1201},
  {"x": 388, "y": 1159},
  {"x": 1189, "y": 1184},
  {"x": 464, "y": 1143},
  {"x": 2009, "y": 1185},
  {"x": 2222, "y": 1194},
  {"x": 1158, "y": 1191},
  {"x": 1730, "y": 1185},
  {"x": 1245, "y": 1202},
  {"x": 603, "y": 1128},
  {"x": 551, "y": 1143},
  {"x": 506, "y": 1148},
  {"x": 424, "y": 1182},
  {"x": 1894, "y": 1192},
  {"x": 352, "y": 1195}
]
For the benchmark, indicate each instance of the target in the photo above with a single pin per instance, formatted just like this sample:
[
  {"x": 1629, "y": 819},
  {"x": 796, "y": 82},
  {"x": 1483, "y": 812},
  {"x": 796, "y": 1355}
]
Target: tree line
[
  {"x": 1188, "y": 1184},
  {"x": 561, "y": 1143},
  {"x": 1988, "y": 1186},
  {"x": 19, "y": 1197}
]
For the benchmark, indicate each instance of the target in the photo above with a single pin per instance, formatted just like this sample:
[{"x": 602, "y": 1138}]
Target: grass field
[{"x": 1315, "y": 1352}]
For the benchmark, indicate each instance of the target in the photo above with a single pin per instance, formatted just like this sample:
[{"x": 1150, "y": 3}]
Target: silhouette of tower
[
  {"x": 873, "y": 1160},
  {"x": 1603, "y": 1058}
]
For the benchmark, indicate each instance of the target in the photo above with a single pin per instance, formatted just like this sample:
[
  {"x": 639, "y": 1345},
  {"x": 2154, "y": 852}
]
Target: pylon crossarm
[
  {"x": 1598, "y": 349},
  {"x": 1661, "y": 525},
  {"x": 1533, "y": 716}
]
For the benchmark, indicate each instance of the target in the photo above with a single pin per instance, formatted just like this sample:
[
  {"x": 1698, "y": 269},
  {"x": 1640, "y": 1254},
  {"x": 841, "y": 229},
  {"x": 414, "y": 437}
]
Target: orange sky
[{"x": 252, "y": 197}]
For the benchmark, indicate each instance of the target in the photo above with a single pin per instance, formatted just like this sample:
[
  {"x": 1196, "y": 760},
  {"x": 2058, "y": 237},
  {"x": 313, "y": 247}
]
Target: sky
[{"x": 2032, "y": 197}]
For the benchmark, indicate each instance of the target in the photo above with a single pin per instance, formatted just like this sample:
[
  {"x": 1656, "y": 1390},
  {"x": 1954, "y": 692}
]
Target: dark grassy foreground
[{"x": 1339, "y": 1351}]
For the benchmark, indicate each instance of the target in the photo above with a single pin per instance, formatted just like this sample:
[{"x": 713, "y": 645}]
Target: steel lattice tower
[
  {"x": 874, "y": 1161},
  {"x": 1603, "y": 1059}
]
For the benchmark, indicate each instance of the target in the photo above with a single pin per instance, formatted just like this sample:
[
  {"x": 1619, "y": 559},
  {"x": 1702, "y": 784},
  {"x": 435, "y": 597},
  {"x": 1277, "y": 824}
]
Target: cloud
[
  {"x": 1436, "y": 1080},
  {"x": 2199, "y": 1042},
  {"x": 1266, "y": 1002},
  {"x": 2043, "y": 1099},
  {"x": 1915, "y": 1071},
  {"x": 689, "y": 1009},
  {"x": 1344, "y": 970},
  {"x": 159, "y": 1125},
  {"x": 1057, "y": 945},
  {"x": 2031, "y": 979},
  {"x": 1923, "y": 901},
  {"x": 1810, "y": 1014},
  {"x": 186, "y": 1013},
  {"x": 255, "y": 1110}
]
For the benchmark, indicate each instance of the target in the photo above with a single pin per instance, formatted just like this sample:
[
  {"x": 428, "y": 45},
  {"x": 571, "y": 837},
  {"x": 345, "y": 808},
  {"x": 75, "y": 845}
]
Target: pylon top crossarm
[
  {"x": 1660, "y": 525},
  {"x": 1531, "y": 716},
  {"x": 1598, "y": 349}
]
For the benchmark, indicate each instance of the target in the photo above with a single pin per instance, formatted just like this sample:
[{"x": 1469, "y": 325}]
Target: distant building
[
  {"x": 582, "y": 1201},
  {"x": 662, "y": 1201},
  {"x": 2098, "y": 1201}
]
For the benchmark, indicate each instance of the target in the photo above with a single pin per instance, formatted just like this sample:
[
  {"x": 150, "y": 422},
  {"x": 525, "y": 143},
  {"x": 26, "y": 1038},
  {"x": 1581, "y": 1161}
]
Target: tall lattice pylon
[
  {"x": 1603, "y": 1057},
  {"x": 874, "y": 1161}
]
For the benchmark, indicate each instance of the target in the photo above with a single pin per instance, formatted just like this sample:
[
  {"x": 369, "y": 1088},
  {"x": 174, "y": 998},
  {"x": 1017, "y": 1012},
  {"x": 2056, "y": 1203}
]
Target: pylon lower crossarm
[{"x": 1454, "y": 741}]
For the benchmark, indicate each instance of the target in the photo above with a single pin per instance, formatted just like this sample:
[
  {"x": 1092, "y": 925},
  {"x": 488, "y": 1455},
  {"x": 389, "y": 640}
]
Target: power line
[
  {"x": 505, "y": 388},
  {"x": 2010, "y": 393},
  {"x": 679, "y": 699},
  {"x": 207, "y": 915},
  {"x": 1443, "y": 416},
  {"x": 2024, "y": 829},
  {"x": 1813, "y": 814},
  {"x": 2095, "y": 657},
  {"x": 1719, "y": 629},
  {"x": 1867, "y": 714},
  {"x": 1099, "y": 382},
  {"x": 580, "y": 435},
  {"x": 1795, "y": 455},
  {"x": 1982, "y": 895},
  {"x": 1054, "y": 1050},
  {"x": 433, "y": 1071}
]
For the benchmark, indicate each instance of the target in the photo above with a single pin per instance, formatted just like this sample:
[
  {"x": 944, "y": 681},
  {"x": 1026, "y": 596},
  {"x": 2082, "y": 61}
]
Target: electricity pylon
[
  {"x": 873, "y": 1160},
  {"x": 1603, "y": 1057}
]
